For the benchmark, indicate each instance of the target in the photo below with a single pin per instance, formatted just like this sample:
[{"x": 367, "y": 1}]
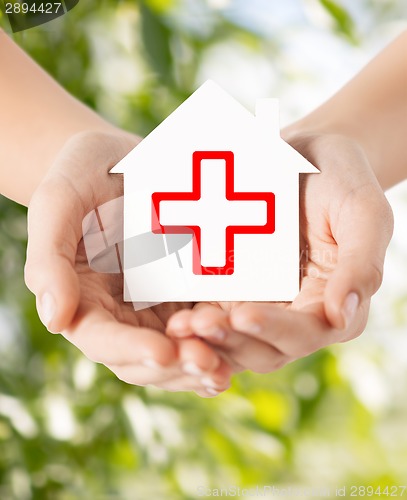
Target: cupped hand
[
  {"x": 345, "y": 226},
  {"x": 87, "y": 307}
]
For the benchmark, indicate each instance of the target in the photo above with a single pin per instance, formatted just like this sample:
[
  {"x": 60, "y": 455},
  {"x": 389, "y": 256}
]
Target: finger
[
  {"x": 207, "y": 386},
  {"x": 363, "y": 232},
  {"x": 202, "y": 387},
  {"x": 55, "y": 219},
  {"x": 204, "y": 317},
  {"x": 212, "y": 324},
  {"x": 207, "y": 393},
  {"x": 219, "y": 380},
  {"x": 104, "y": 340},
  {"x": 294, "y": 334},
  {"x": 53, "y": 225},
  {"x": 179, "y": 324},
  {"x": 141, "y": 375},
  {"x": 173, "y": 379},
  {"x": 170, "y": 378},
  {"x": 179, "y": 327},
  {"x": 197, "y": 357}
]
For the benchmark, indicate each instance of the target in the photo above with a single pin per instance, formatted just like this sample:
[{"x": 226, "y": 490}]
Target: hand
[
  {"x": 88, "y": 307},
  {"x": 345, "y": 226}
]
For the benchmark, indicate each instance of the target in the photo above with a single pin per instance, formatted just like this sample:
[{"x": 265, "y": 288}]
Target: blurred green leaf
[
  {"x": 157, "y": 45},
  {"x": 88, "y": 443},
  {"x": 160, "y": 6},
  {"x": 343, "y": 20}
]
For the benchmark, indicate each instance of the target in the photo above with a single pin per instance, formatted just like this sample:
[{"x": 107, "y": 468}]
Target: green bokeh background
[{"x": 68, "y": 428}]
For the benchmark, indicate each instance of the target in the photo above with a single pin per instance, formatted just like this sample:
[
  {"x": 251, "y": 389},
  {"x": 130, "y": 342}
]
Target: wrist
[
  {"x": 305, "y": 134},
  {"x": 113, "y": 138},
  {"x": 315, "y": 143}
]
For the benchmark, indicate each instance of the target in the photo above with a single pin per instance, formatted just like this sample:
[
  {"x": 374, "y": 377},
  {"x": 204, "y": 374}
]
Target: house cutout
[{"x": 214, "y": 173}]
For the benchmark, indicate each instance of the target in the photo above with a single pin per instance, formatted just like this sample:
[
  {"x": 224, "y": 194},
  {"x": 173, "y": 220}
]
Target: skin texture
[
  {"x": 87, "y": 307},
  {"x": 370, "y": 110},
  {"x": 346, "y": 225},
  {"x": 37, "y": 118},
  {"x": 354, "y": 138},
  {"x": 65, "y": 162}
]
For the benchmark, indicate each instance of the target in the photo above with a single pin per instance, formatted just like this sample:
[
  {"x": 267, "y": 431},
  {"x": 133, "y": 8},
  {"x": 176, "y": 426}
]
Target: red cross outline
[{"x": 195, "y": 195}]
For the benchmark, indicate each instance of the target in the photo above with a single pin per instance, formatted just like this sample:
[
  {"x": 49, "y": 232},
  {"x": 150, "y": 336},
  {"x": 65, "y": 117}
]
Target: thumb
[
  {"x": 363, "y": 232},
  {"x": 54, "y": 230}
]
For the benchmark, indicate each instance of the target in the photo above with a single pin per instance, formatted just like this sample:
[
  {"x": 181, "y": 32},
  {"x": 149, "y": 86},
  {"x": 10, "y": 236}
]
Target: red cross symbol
[{"x": 213, "y": 212}]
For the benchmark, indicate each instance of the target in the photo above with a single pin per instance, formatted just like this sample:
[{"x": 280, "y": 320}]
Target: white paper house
[{"x": 226, "y": 182}]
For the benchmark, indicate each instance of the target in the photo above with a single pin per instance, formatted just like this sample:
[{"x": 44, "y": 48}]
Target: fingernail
[
  {"x": 208, "y": 382},
  {"x": 191, "y": 368},
  {"x": 217, "y": 334},
  {"x": 350, "y": 308},
  {"x": 151, "y": 363},
  {"x": 46, "y": 309}
]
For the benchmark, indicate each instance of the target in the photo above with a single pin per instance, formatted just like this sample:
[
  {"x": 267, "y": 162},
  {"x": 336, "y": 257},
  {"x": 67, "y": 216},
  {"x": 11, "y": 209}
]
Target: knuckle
[
  {"x": 30, "y": 275},
  {"x": 375, "y": 275},
  {"x": 383, "y": 214},
  {"x": 249, "y": 316},
  {"x": 388, "y": 216}
]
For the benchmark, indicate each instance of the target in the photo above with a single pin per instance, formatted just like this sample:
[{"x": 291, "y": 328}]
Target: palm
[
  {"x": 101, "y": 293},
  {"x": 87, "y": 306},
  {"x": 338, "y": 210},
  {"x": 319, "y": 249},
  {"x": 96, "y": 319},
  {"x": 105, "y": 292}
]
